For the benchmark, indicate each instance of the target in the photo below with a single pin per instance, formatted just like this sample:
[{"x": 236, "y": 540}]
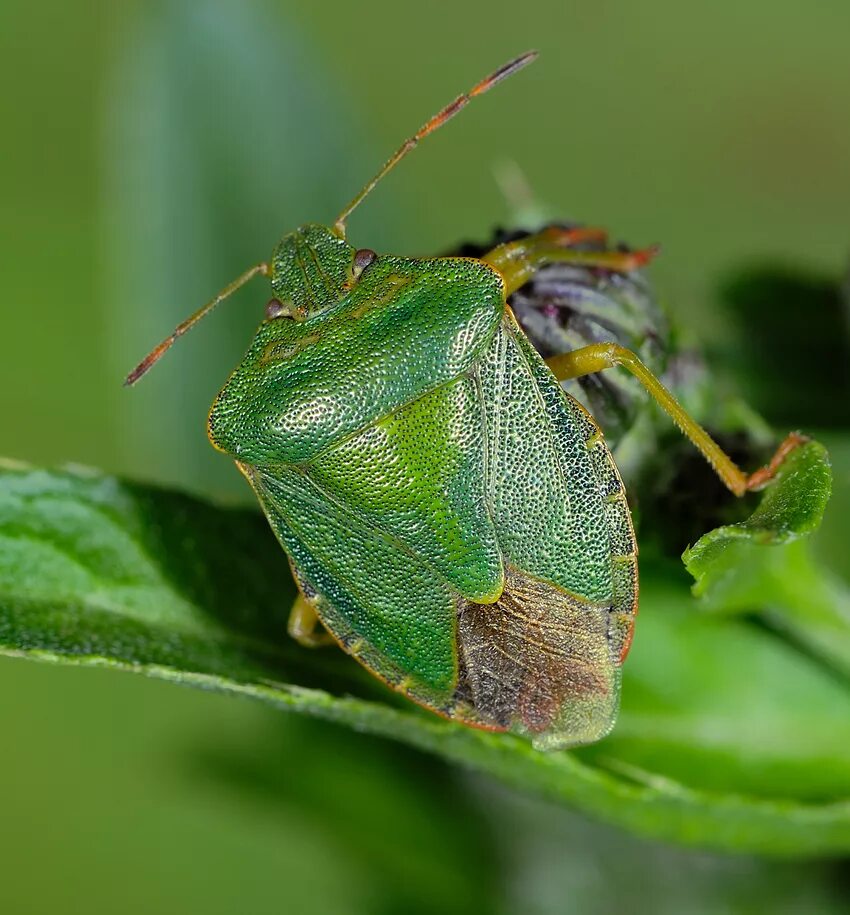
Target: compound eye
[
  {"x": 274, "y": 309},
  {"x": 362, "y": 258}
]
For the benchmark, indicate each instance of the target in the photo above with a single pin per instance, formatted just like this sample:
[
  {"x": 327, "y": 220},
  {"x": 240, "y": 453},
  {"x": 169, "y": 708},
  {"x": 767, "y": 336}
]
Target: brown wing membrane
[{"x": 538, "y": 661}]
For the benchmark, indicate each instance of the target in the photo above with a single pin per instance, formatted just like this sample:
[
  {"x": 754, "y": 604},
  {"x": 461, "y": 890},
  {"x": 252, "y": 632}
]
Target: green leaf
[
  {"x": 99, "y": 572},
  {"x": 765, "y": 565},
  {"x": 791, "y": 507}
]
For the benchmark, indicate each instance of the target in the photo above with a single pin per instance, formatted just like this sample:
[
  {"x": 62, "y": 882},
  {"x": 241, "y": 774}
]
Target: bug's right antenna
[{"x": 438, "y": 120}]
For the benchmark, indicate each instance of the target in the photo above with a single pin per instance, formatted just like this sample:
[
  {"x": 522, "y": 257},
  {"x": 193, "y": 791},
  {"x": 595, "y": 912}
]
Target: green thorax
[{"x": 347, "y": 349}]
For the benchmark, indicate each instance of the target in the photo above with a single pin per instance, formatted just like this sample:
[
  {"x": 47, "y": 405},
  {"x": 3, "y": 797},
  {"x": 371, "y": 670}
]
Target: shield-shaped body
[{"x": 454, "y": 517}]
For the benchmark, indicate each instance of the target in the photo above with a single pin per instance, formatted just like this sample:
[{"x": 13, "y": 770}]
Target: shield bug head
[{"x": 311, "y": 268}]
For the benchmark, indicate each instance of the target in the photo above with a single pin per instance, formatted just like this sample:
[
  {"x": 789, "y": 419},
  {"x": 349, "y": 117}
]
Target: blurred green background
[{"x": 151, "y": 151}]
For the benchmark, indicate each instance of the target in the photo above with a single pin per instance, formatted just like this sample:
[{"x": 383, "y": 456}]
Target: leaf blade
[
  {"x": 764, "y": 563},
  {"x": 212, "y": 618}
]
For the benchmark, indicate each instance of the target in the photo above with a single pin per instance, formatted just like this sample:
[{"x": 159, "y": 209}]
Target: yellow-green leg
[
  {"x": 601, "y": 356},
  {"x": 518, "y": 261},
  {"x": 305, "y": 626}
]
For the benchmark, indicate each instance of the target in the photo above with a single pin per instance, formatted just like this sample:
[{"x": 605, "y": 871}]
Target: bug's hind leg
[
  {"x": 305, "y": 626},
  {"x": 519, "y": 260},
  {"x": 599, "y": 356}
]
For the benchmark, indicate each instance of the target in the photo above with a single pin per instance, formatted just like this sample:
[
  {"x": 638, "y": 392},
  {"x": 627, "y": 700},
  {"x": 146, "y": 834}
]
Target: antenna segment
[{"x": 437, "y": 121}]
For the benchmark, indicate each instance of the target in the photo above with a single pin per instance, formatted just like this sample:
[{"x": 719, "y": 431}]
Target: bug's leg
[
  {"x": 601, "y": 356},
  {"x": 519, "y": 260},
  {"x": 305, "y": 627}
]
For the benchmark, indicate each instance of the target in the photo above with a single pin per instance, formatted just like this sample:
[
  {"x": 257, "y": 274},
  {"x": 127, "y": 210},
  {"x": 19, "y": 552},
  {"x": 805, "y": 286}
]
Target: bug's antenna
[
  {"x": 438, "y": 120},
  {"x": 159, "y": 351}
]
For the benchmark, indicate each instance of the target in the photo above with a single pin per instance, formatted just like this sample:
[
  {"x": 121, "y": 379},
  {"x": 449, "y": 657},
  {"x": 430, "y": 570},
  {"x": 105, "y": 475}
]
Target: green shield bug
[{"x": 453, "y": 518}]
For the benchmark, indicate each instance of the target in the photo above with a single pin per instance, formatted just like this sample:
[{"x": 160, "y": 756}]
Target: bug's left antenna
[
  {"x": 159, "y": 351},
  {"x": 506, "y": 70}
]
